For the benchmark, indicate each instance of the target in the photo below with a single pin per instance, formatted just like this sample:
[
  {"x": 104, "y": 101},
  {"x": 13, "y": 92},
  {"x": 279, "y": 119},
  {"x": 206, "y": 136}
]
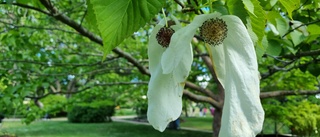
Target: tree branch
[
  {"x": 200, "y": 98},
  {"x": 313, "y": 22},
  {"x": 197, "y": 4},
  {"x": 132, "y": 60},
  {"x": 274, "y": 69},
  {"x": 179, "y": 3},
  {"x": 88, "y": 87},
  {"x": 270, "y": 94},
  {"x": 66, "y": 20},
  {"x": 209, "y": 64},
  {"x": 302, "y": 54},
  {"x": 294, "y": 58},
  {"x": 200, "y": 89},
  {"x": 28, "y": 7}
]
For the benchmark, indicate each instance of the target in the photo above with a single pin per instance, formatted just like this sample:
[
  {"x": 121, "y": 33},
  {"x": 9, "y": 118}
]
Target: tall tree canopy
[{"x": 67, "y": 47}]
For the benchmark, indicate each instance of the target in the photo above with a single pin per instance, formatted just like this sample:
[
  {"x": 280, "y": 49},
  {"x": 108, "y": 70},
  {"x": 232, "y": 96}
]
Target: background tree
[{"x": 55, "y": 47}]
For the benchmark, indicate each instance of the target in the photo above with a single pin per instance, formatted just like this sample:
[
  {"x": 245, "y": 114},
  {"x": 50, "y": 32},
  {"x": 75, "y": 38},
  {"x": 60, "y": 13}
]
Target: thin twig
[
  {"x": 197, "y": 3},
  {"x": 313, "y": 22},
  {"x": 179, "y": 3},
  {"x": 28, "y": 7},
  {"x": 287, "y": 92},
  {"x": 84, "y": 15},
  {"x": 302, "y": 54}
]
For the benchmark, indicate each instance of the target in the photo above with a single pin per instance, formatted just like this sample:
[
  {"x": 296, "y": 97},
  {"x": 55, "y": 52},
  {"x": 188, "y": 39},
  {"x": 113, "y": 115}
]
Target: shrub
[
  {"x": 55, "y": 105},
  {"x": 304, "y": 119},
  {"x": 95, "y": 112}
]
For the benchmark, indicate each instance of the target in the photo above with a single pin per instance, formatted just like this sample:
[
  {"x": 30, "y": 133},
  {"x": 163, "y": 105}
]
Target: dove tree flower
[
  {"x": 233, "y": 56},
  {"x": 166, "y": 86},
  {"x": 232, "y": 53}
]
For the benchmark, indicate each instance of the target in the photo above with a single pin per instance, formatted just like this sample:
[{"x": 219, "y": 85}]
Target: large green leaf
[
  {"x": 91, "y": 18},
  {"x": 314, "y": 29},
  {"x": 297, "y": 37},
  {"x": 257, "y": 16},
  {"x": 258, "y": 21},
  {"x": 118, "y": 19},
  {"x": 278, "y": 21},
  {"x": 290, "y": 5},
  {"x": 22, "y": 1},
  {"x": 274, "y": 48},
  {"x": 249, "y": 6},
  {"x": 236, "y": 7}
]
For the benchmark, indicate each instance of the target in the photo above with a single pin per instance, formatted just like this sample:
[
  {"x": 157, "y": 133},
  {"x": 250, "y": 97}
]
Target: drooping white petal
[
  {"x": 165, "y": 90},
  {"x": 218, "y": 60},
  {"x": 242, "y": 112}
]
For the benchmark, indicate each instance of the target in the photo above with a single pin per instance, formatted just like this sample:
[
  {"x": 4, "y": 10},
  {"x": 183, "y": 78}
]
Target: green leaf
[
  {"x": 314, "y": 29},
  {"x": 220, "y": 7},
  {"x": 297, "y": 37},
  {"x": 117, "y": 20},
  {"x": 282, "y": 26},
  {"x": 236, "y": 7},
  {"x": 9, "y": 1},
  {"x": 290, "y": 6},
  {"x": 249, "y": 6},
  {"x": 258, "y": 21},
  {"x": 23, "y": 1},
  {"x": 274, "y": 48},
  {"x": 261, "y": 49},
  {"x": 279, "y": 22},
  {"x": 91, "y": 18},
  {"x": 268, "y": 4},
  {"x": 6, "y": 100}
]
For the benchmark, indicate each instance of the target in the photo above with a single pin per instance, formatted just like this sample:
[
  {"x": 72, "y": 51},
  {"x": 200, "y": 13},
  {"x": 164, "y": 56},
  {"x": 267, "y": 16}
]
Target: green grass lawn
[
  {"x": 114, "y": 129},
  {"x": 202, "y": 123}
]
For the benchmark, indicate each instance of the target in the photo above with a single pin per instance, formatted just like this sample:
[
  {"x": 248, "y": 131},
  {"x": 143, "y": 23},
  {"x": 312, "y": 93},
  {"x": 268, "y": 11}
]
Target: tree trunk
[
  {"x": 216, "y": 125},
  {"x": 216, "y": 122},
  {"x": 186, "y": 106}
]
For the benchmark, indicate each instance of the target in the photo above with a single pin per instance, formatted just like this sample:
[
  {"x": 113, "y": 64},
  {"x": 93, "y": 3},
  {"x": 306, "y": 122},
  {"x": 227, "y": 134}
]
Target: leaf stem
[{"x": 165, "y": 18}]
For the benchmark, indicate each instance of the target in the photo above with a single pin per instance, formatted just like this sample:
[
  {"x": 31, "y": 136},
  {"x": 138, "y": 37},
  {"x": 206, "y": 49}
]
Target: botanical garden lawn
[
  {"x": 113, "y": 129},
  {"x": 201, "y": 123}
]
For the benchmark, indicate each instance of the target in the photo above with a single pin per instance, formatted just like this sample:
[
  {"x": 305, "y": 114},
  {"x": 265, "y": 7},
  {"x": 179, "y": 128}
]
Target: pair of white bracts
[{"x": 235, "y": 64}]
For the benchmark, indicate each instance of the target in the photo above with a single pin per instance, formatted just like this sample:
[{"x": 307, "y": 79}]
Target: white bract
[
  {"x": 167, "y": 80},
  {"x": 234, "y": 62}
]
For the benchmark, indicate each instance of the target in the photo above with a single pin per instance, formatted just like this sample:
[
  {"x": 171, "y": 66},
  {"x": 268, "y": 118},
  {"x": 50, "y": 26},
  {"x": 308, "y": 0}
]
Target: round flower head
[
  {"x": 235, "y": 64},
  {"x": 164, "y": 36},
  {"x": 214, "y": 31}
]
